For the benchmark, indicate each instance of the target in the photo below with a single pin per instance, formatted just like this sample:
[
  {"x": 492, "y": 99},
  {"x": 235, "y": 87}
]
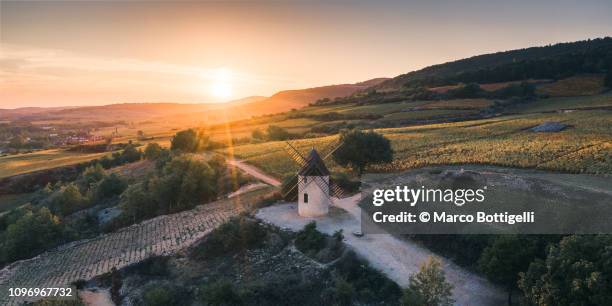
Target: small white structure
[{"x": 313, "y": 187}]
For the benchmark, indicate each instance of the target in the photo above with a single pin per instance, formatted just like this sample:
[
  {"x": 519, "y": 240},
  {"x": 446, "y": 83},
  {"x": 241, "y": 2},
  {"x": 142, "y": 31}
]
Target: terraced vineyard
[
  {"x": 584, "y": 147},
  {"x": 85, "y": 259}
]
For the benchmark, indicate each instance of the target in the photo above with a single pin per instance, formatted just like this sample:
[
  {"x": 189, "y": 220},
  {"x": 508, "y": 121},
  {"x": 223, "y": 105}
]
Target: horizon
[{"x": 205, "y": 53}]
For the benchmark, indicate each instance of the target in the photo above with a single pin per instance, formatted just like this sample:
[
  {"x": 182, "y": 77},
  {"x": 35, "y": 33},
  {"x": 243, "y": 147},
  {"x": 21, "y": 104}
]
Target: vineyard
[
  {"x": 83, "y": 260},
  {"x": 505, "y": 141}
]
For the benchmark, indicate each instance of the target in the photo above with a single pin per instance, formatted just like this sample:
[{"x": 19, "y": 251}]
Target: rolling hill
[
  {"x": 212, "y": 112},
  {"x": 556, "y": 61}
]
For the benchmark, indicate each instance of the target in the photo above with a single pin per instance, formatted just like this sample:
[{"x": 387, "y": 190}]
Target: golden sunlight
[{"x": 221, "y": 86}]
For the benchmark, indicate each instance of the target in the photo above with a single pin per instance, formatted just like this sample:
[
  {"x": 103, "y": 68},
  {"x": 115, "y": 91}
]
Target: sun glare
[{"x": 221, "y": 86}]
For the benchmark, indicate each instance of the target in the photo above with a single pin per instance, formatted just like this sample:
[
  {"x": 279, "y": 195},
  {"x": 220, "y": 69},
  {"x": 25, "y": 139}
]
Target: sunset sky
[{"x": 86, "y": 53}]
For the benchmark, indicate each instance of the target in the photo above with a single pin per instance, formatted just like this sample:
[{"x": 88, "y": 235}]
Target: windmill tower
[{"x": 313, "y": 187}]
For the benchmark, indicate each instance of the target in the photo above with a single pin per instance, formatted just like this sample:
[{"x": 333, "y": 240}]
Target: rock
[{"x": 549, "y": 127}]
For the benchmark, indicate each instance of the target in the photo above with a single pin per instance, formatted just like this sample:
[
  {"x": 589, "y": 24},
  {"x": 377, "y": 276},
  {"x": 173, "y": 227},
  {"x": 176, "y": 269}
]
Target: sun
[{"x": 221, "y": 86}]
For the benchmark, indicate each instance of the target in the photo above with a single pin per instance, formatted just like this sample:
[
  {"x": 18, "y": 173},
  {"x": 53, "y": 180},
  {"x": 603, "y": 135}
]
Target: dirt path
[
  {"x": 255, "y": 172},
  {"x": 398, "y": 259}
]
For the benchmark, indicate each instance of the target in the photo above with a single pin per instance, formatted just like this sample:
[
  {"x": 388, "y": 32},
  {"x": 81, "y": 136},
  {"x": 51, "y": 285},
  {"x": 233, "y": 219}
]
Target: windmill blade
[
  {"x": 295, "y": 154},
  {"x": 336, "y": 191},
  {"x": 331, "y": 147},
  {"x": 292, "y": 187}
]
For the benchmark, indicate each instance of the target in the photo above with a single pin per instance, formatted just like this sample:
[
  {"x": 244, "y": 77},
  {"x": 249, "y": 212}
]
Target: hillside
[
  {"x": 213, "y": 112},
  {"x": 545, "y": 62},
  {"x": 288, "y": 99}
]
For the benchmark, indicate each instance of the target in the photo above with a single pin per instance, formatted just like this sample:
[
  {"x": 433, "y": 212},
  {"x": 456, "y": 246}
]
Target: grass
[{"x": 41, "y": 160}]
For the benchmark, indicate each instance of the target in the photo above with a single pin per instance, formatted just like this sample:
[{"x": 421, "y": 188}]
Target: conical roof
[{"x": 314, "y": 165}]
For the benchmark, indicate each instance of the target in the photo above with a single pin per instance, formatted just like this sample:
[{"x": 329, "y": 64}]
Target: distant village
[{"x": 24, "y": 137}]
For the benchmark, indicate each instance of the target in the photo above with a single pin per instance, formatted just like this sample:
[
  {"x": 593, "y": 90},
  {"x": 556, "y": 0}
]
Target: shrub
[
  {"x": 310, "y": 240},
  {"x": 369, "y": 284},
  {"x": 152, "y": 266},
  {"x": 163, "y": 295},
  {"x": 237, "y": 235},
  {"x": 429, "y": 285},
  {"x": 278, "y": 133},
  {"x": 219, "y": 293},
  {"x": 110, "y": 186},
  {"x": 33, "y": 232},
  {"x": 152, "y": 151}
]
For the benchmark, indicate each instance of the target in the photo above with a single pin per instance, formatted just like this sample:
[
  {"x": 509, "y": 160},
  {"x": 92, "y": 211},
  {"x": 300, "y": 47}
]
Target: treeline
[
  {"x": 50, "y": 219},
  {"x": 548, "y": 62},
  {"x": 66, "y": 210},
  {"x": 546, "y": 269},
  {"x": 332, "y": 116},
  {"x": 181, "y": 182},
  {"x": 521, "y": 90}
]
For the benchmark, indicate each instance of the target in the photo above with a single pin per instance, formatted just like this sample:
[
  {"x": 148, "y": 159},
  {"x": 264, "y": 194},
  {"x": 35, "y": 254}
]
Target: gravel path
[{"x": 398, "y": 259}]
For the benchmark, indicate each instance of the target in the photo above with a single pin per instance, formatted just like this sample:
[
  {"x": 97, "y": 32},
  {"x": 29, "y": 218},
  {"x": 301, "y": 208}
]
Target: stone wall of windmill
[{"x": 313, "y": 195}]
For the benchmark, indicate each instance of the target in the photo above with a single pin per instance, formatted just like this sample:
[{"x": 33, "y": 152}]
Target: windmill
[{"x": 315, "y": 191}]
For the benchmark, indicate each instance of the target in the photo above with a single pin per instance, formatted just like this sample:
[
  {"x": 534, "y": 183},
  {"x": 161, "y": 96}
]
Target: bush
[
  {"x": 33, "y": 232},
  {"x": 429, "y": 286},
  {"x": 186, "y": 141},
  {"x": 66, "y": 200},
  {"x": 219, "y": 293},
  {"x": 152, "y": 266},
  {"x": 152, "y": 151},
  {"x": 310, "y": 240},
  {"x": 369, "y": 284},
  {"x": 237, "y": 235},
  {"x": 278, "y": 133},
  {"x": 110, "y": 186},
  {"x": 163, "y": 295}
]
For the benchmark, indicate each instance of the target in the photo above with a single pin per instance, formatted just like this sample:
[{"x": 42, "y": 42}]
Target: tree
[
  {"x": 185, "y": 141},
  {"x": 187, "y": 182},
  {"x": 92, "y": 175},
  {"x": 277, "y": 133},
  {"x": 428, "y": 286},
  {"x": 258, "y": 134},
  {"x": 34, "y": 231},
  {"x": 112, "y": 185},
  {"x": 66, "y": 200},
  {"x": 140, "y": 134},
  {"x": 152, "y": 151},
  {"x": 130, "y": 154},
  {"x": 505, "y": 258},
  {"x": 359, "y": 149},
  {"x": 577, "y": 271},
  {"x": 137, "y": 202}
]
